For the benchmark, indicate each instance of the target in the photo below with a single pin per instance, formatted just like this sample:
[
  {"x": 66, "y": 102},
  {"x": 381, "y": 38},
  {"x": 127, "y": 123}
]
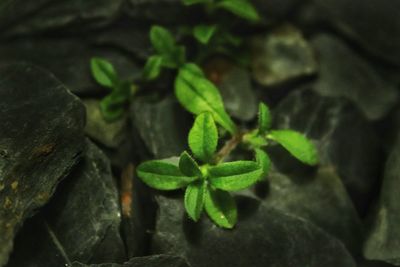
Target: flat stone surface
[
  {"x": 383, "y": 241},
  {"x": 262, "y": 237},
  {"x": 343, "y": 73},
  {"x": 41, "y": 139},
  {"x": 344, "y": 138},
  {"x": 81, "y": 223}
]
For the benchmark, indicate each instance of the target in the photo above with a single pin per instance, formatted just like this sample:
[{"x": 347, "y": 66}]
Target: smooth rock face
[
  {"x": 149, "y": 261},
  {"x": 262, "y": 237},
  {"x": 68, "y": 59},
  {"x": 320, "y": 198},
  {"x": 81, "y": 223},
  {"x": 41, "y": 139},
  {"x": 344, "y": 73},
  {"x": 110, "y": 134},
  {"x": 281, "y": 56},
  {"x": 373, "y": 24},
  {"x": 344, "y": 138},
  {"x": 383, "y": 240},
  {"x": 163, "y": 125}
]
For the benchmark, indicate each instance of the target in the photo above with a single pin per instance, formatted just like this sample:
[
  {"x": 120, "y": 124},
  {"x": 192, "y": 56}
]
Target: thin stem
[{"x": 229, "y": 146}]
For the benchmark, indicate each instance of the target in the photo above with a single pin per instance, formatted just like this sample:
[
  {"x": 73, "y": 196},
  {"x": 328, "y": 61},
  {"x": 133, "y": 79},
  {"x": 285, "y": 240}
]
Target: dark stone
[
  {"x": 162, "y": 124},
  {"x": 81, "y": 223},
  {"x": 281, "y": 56},
  {"x": 148, "y": 261},
  {"x": 275, "y": 10},
  {"x": 344, "y": 73},
  {"x": 41, "y": 139},
  {"x": 262, "y": 237},
  {"x": 68, "y": 59},
  {"x": 382, "y": 242},
  {"x": 372, "y": 24},
  {"x": 318, "y": 197},
  {"x": 344, "y": 138},
  {"x": 19, "y": 17}
]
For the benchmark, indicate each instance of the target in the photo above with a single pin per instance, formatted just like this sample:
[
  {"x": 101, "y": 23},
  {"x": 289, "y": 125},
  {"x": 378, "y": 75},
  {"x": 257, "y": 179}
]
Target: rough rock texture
[
  {"x": 344, "y": 73},
  {"x": 149, "y": 261},
  {"x": 262, "y": 237},
  {"x": 162, "y": 124},
  {"x": 344, "y": 138},
  {"x": 319, "y": 197},
  {"x": 281, "y": 56},
  {"x": 41, "y": 139},
  {"x": 81, "y": 223},
  {"x": 383, "y": 240}
]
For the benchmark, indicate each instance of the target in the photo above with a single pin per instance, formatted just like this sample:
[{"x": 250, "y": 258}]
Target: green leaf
[
  {"x": 221, "y": 208},
  {"x": 198, "y": 95},
  {"x": 264, "y": 118},
  {"x": 188, "y": 165},
  {"x": 263, "y": 161},
  {"x": 241, "y": 8},
  {"x": 204, "y": 33},
  {"x": 193, "y": 2},
  {"x": 162, "y": 175},
  {"x": 112, "y": 107},
  {"x": 194, "y": 199},
  {"x": 153, "y": 67},
  {"x": 162, "y": 40},
  {"x": 103, "y": 72},
  {"x": 233, "y": 176},
  {"x": 297, "y": 144},
  {"x": 203, "y": 137}
]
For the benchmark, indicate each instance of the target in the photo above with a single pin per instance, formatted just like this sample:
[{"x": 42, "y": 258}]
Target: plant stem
[{"x": 229, "y": 146}]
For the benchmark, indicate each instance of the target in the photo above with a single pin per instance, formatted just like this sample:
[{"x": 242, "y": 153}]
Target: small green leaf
[
  {"x": 264, "y": 118},
  {"x": 162, "y": 40},
  {"x": 162, "y": 175},
  {"x": 188, "y": 165},
  {"x": 233, "y": 176},
  {"x": 194, "y": 199},
  {"x": 193, "y": 2},
  {"x": 112, "y": 107},
  {"x": 198, "y": 95},
  {"x": 221, "y": 208},
  {"x": 153, "y": 66},
  {"x": 204, "y": 33},
  {"x": 241, "y": 8},
  {"x": 203, "y": 137},
  {"x": 103, "y": 72},
  {"x": 264, "y": 161},
  {"x": 297, "y": 144}
]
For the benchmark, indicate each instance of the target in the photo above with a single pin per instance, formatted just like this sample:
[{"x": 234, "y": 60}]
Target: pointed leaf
[
  {"x": 188, "y": 166},
  {"x": 264, "y": 161},
  {"x": 103, "y": 72},
  {"x": 162, "y": 175},
  {"x": 204, "y": 33},
  {"x": 203, "y": 137},
  {"x": 221, "y": 208},
  {"x": 198, "y": 95},
  {"x": 297, "y": 144},
  {"x": 194, "y": 199},
  {"x": 152, "y": 69},
  {"x": 264, "y": 118},
  {"x": 233, "y": 176},
  {"x": 241, "y": 8},
  {"x": 112, "y": 107},
  {"x": 162, "y": 40}
]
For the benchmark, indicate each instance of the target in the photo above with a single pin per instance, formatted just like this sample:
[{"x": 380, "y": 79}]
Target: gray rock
[
  {"x": 162, "y": 124},
  {"x": 281, "y": 56},
  {"x": 148, "y": 261},
  {"x": 82, "y": 222},
  {"x": 319, "y": 198},
  {"x": 344, "y": 73},
  {"x": 20, "y": 18},
  {"x": 383, "y": 240},
  {"x": 68, "y": 59},
  {"x": 262, "y": 237},
  {"x": 372, "y": 24},
  {"x": 108, "y": 134},
  {"x": 343, "y": 136},
  {"x": 41, "y": 139}
]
